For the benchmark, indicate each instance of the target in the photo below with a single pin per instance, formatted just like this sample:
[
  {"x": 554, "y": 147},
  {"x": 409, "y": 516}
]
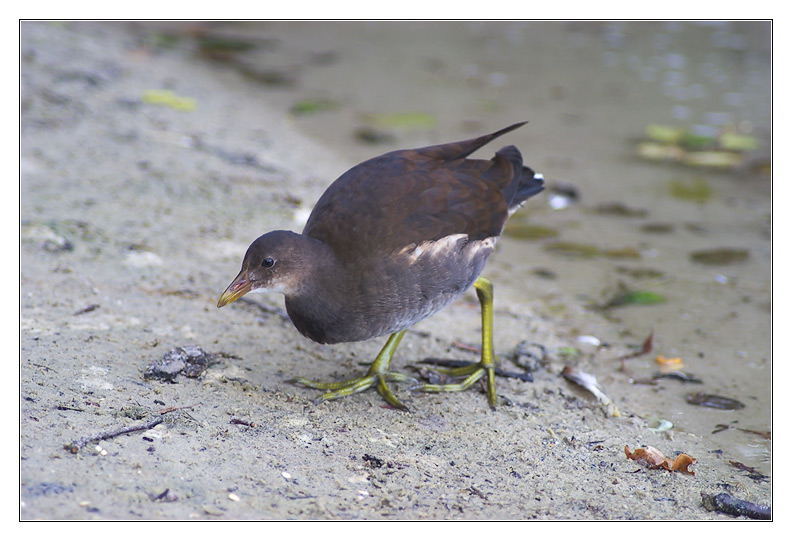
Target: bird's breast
[{"x": 394, "y": 294}]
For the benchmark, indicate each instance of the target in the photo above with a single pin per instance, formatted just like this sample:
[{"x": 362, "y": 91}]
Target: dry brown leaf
[
  {"x": 668, "y": 364},
  {"x": 648, "y": 456},
  {"x": 682, "y": 462},
  {"x": 654, "y": 459}
]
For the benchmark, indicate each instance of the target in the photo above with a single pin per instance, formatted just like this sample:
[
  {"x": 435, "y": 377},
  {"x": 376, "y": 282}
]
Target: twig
[
  {"x": 237, "y": 421},
  {"x": 89, "y": 308},
  {"x": 68, "y": 408},
  {"x": 765, "y": 434},
  {"x": 465, "y": 347},
  {"x": 646, "y": 347},
  {"x": 173, "y": 408},
  {"x": 160, "y": 496},
  {"x": 753, "y": 473},
  {"x": 75, "y": 446}
]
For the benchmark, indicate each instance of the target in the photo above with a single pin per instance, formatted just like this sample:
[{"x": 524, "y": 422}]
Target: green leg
[
  {"x": 378, "y": 374},
  {"x": 486, "y": 366}
]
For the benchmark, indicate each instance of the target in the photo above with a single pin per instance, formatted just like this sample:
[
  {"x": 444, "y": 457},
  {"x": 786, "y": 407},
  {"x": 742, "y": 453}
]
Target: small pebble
[
  {"x": 358, "y": 479},
  {"x": 592, "y": 340}
]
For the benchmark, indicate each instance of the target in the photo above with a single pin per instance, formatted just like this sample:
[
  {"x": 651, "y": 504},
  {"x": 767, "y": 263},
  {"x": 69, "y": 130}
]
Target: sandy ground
[{"x": 135, "y": 217}]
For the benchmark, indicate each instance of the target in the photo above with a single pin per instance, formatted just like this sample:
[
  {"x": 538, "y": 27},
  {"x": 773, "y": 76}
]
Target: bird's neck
[{"x": 325, "y": 297}]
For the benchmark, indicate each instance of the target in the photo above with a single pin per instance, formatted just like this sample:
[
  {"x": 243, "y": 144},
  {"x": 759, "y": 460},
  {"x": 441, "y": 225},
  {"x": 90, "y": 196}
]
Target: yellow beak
[{"x": 237, "y": 289}]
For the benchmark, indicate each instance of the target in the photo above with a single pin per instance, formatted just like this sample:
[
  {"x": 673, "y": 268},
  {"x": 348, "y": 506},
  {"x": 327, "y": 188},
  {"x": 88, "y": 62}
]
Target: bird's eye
[{"x": 268, "y": 262}]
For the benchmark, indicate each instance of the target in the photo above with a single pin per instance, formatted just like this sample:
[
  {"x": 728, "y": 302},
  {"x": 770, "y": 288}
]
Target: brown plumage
[
  {"x": 392, "y": 241},
  {"x": 414, "y": 196}
]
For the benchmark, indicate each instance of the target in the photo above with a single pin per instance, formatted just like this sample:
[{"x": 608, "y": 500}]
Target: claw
[{"x": 378, "y": 375}]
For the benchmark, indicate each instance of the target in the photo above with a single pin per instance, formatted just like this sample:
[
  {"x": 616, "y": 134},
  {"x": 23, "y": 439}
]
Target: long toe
[
  {"x": 341, "y": 389},
  {"x": 468, "y": 375}
]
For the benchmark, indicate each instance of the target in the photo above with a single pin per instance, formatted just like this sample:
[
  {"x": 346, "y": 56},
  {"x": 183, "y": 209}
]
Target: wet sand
[{"x": 135, "y": 215}]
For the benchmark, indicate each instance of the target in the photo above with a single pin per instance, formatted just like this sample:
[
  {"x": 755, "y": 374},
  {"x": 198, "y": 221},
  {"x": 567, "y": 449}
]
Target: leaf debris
[{"x": 654, "y": 459}]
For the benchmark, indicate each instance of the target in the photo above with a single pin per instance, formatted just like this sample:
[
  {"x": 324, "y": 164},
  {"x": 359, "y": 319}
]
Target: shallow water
[{"x": 589, "y": 91}]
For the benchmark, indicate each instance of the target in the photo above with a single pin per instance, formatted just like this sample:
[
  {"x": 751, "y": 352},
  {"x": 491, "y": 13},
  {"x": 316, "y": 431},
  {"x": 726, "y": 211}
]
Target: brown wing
[{"x": 412, "y": 196}]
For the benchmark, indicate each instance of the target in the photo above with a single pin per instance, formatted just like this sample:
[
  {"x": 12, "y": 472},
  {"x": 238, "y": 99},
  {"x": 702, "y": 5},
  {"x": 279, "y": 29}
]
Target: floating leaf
[
  {"x": 720, "y": 256},
  {"x": 308, "y": 107},
  {"x": 693, "y": 141},
  {"x": 640, "y": 273},
  {"x": 227, "y": 48},
  {"x": 415, "y": 120},
  {"x": 696, "y": 189},
  {"x": 168, "y": 98},
  {"x": 636, "y": 297},
  {"x": 622, "y": 253},
  {"x": 713, "y": 158},
  {"x": 737, "y": 141},
  {"x": 282, "y": 77},
  {"x": 654, "y": 459},
  {"x": 699, "y": 146},
  {"x": 663, "y": 133},
  {"x": 572, "y": 249},
  {"x": 370, "y": 136},
  {"x": 657, "y": 228},
  {"x": 620, "y": 209},
  {"x": 525, "y": 231},
  {"x": 657, "y": 151},
  {"x": 547, "y": 274},
  {"x": 698, "y": 137}
]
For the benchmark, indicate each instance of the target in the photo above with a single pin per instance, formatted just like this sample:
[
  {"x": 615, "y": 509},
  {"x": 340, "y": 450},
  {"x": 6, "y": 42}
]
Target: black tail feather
[
  {"x": 463, "y": 149},
  {"x": 530, "y": 184}
]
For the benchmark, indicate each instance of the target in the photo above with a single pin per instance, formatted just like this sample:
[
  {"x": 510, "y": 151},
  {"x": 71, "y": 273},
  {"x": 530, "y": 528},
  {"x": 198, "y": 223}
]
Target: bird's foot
[
  {"x": 340, "y": 389},
  {"x": 470, "y": 374},
  {"x": 485, "y": 368},
  {"x": 378, "y": 375}
]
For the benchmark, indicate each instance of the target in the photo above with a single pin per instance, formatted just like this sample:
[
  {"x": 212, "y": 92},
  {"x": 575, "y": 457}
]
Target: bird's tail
[{"x": 530, "y": 184}]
